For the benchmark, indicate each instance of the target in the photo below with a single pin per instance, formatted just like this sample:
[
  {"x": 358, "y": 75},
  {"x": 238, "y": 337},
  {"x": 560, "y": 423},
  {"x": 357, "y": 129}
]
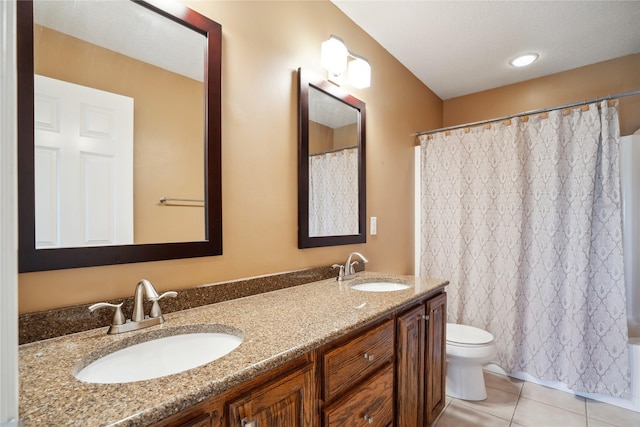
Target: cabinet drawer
[
  {"x": 201, "y": 421},
  {"x": 369, "y": 405},
  {"x": 349, "y": 363}
]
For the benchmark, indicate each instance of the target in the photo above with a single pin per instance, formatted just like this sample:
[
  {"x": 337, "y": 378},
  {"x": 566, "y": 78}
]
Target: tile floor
[{"x": 515, "y": 403}]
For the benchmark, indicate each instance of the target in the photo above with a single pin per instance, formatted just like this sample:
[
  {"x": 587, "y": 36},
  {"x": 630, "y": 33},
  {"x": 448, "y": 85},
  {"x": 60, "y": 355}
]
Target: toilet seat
[{"x": 467, "y": 336}]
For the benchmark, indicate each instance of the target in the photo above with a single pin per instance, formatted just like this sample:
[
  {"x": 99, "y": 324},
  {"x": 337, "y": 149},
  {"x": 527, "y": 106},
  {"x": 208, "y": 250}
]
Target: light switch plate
[{"x": 373, "y": 226}]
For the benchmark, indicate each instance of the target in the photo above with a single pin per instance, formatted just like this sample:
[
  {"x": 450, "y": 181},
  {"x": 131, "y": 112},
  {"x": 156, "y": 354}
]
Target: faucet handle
[
  {"x": 155, "y": 308},
  {"x": 341, "y": 272},
  {"x": 351, "y": 269},
  {"x": 118, "y": 317}
]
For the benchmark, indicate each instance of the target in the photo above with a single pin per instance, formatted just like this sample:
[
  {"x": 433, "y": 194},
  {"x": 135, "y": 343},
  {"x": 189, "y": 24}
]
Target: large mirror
[
  {"x": 119, "y": 133},
  {"x": 331, "y": 164}
]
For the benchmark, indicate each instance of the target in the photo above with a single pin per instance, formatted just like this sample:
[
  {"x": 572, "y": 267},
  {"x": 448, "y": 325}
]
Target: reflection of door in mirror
[
  {"x": 83, "y": 166},
  {"x": 333, "y": 166},
  {"x": 168, "y": 130}
]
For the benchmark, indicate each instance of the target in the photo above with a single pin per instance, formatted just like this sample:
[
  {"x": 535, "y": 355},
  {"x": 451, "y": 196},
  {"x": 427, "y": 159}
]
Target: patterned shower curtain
[
  {"x": 524, "y": 219},
  {"x": 333, "y": 193}
]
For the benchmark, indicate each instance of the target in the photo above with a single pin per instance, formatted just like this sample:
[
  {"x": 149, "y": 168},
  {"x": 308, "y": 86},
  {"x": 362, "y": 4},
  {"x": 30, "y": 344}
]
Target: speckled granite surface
[
  {"x": 314, "y": 314},
  {"x": 43, "y": 325}
]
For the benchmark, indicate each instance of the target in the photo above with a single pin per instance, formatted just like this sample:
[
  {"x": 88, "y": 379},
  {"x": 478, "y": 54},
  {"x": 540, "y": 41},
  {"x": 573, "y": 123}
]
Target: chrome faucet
[
  {"x": 347, "y": 271},
  {"x": 138, "y": 319},
  {"x": 143, "y": 286}
]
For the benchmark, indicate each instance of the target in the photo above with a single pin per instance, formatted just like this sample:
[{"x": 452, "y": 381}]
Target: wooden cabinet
[
  {"x": 390, "y": 372},
  {"x": 282, "y": 397},
  {"x": 286, "y": 402},
  {"x": 435, "y": 357},
  {"x": 350, "y": 362},
  {"x": 420, "y": 363},
  {"x": 197, "y": 421},
  {"x": 370, "y": 404},
  {"x": 410, "y": 357},
  {"x": 357, "y": 378}
]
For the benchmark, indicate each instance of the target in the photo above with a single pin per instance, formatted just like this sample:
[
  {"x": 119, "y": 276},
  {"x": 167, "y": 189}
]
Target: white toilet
[{"x": 468, "y": 349}]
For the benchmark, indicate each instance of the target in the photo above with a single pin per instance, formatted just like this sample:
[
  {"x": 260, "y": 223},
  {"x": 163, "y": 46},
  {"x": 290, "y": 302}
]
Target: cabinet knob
[
  {"x": 368, "y": 418},
  {"x": 369, "y": 357}
]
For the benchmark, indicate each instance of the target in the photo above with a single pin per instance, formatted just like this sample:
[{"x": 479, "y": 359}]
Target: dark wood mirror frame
[
  {"x": 307, "y": 80},
  {"x": 32, "y": 259}
]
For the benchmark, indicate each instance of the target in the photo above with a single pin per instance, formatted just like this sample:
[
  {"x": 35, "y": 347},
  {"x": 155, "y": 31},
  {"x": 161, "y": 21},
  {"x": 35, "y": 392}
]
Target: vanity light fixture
[
  {"x": 524, "y": 60},
  {"x": 336, "y": 59},
  {"x": 333, "y": 56},
  {"x": 359, "y": 72}
]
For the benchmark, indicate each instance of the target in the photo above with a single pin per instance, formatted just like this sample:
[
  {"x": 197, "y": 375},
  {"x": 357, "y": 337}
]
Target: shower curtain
[
  {"x": 333, "y": 193},
  {"x": 524, "y": 219}
]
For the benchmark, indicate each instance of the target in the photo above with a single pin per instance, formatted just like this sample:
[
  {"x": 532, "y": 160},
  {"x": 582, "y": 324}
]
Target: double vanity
[
  {"x": 322, "y": 353},
  {"x": 361, "y": 350}
]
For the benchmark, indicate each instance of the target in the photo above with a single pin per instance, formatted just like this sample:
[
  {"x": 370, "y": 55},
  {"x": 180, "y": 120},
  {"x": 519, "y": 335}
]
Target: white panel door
[{"x": 83, "y": 165}]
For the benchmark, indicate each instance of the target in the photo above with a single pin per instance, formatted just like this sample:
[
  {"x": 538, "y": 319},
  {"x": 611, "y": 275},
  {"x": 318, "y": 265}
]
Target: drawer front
[
  {"x": 369, "y": 405},
  {"x": 346, "y": 365},
  {"x": 202, "y": 421}
]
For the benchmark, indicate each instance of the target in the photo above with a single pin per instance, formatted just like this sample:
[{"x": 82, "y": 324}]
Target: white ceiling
[
  {"x": 329, "y": 111},
  {"x": 462, "y": 47}
]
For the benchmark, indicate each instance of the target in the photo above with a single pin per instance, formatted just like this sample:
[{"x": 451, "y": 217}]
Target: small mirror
[
  {"x": 331, "y": 166},
  {"x": 119, "y": 133}
]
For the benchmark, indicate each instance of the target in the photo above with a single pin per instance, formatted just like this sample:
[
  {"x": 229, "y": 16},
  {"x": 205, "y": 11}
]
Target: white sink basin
[
  {"x": 380, "y": 286},
  {"x": 159, "y": 357}
]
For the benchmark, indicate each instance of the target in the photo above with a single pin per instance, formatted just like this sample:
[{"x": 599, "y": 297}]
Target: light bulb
[
  {"x": 524, "y": 60},
  {"x": 359, "y": 74},
  {"x": 333, "y": 55}
]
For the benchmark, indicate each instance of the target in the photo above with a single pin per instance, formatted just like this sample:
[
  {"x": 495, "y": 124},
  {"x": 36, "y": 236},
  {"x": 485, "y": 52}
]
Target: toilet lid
[{"x": 463, "y": 334}]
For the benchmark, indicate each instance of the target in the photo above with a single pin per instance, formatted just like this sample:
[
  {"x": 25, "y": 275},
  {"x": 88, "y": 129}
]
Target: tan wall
[
  {"x": 320, "y": 138},
  {"x": 345, "y": 136},
  {"x": 263, "y": 44},
  {"x": 593, "y": 81},
  {"x": 168, "y": 138},
  {"x": 323, "y": 138}
]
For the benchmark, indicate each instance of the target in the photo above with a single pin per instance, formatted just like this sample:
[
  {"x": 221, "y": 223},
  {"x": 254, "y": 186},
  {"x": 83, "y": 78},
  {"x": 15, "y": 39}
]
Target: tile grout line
[
  {"x": 516, "y": 406},
  {"x": 517, "y": 402},
  {"x": 586, "y": 413}
]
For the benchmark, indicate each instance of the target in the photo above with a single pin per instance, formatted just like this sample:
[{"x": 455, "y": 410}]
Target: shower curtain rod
[{"x": 529, "y": 113}]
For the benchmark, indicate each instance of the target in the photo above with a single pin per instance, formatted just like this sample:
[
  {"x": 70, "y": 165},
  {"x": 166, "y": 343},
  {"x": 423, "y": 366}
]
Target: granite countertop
[{"x": 277, "y": 326}]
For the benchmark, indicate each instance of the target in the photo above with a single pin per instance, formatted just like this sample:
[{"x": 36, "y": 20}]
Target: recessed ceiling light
[{"x": 524, "y": 60}]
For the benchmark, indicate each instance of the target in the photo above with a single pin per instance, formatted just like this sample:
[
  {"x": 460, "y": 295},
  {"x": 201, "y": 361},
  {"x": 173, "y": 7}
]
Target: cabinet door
[
  {"x": 287, "y": 402},
  {"x": 410, "y": 368},
  {"x": 435, "y": 356}
]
